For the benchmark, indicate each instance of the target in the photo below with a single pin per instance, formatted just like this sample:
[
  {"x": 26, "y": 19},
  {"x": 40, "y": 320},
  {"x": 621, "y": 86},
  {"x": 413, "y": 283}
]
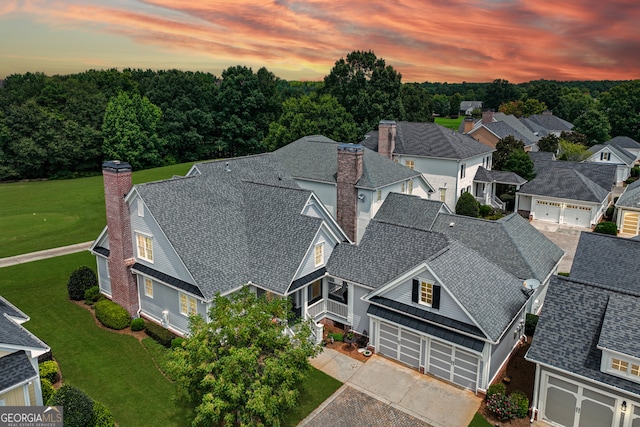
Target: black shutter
[
  {"x": 415, "y": 291},
  {"x": 436, "y": 297}
]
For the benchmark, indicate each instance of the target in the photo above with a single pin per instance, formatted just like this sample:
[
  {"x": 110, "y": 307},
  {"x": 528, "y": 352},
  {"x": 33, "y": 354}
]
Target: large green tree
[
  {"x": 549, "y": 143},
  {"x": 621, "y": 105},
  {"x": 417, "y": 104},
  {"x": 130, "y": 131},
  {"x": 311, "y": 115},
  {"x": 573, "y": 102},
  {"x": 240, "y": 368},
  {"x": 594, "y": 124},
  {"x": 572, "y": 151},
  {"x": 499, "y": 92},
  {"x": 367, "y": 88},
  {"x": 504, "y": 148},
  {"x": 520, "y": 162}
]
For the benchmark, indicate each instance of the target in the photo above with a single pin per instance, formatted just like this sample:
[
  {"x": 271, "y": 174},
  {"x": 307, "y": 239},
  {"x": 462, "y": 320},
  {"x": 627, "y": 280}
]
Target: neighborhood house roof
[
  {"x": 504, "y": 177},
  {"x": 229, "y": 230},
  {"x": 502, "y": 130},
  {"x": 430, "y": 140},
  {"x": 566, "y": 183},
  {"x": 551, "y": 122},
  {"x": 630, "y": 198},
  {"x": 626, "y": 157},
  {"x": 315, "y": 158},
  {"x": 13, "y": 334},
  {"x": 15, "y": 368},
  {"x": 411, "y": 211},
  {"x": 624, "y": 142}
]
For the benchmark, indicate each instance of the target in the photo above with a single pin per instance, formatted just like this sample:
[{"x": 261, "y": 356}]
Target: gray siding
[
  {"x": 500, "y": 351},
  {"x": 165, "y": 258},
  {"x": 360, "y": 317},
  {"x": 308, "y": 264},
  {"x": 103, "y": 275},
  {"x": 312, "y": 210},
  {"x": 324, "y": 191},
  {"x": 448, "y": 306}
]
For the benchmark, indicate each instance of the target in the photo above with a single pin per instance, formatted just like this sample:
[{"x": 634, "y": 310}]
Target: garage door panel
[
  {"x": 388, "y": 343},
  {"x": 441, "y": 348},
  {"x": 464, "y": 381},
  {"x": 547, "y": 211},
  {"x": 385, "y": 327},
  {"x": 413, "y": 353},
  {"x": 630, "y": 223},
  {"x": 439, "y": 372},
  {"x": 577, "y": 215},
  {"x": 469, "y": 367},
  {"x": 442, "y": 364},
  {"x": 411, "y": 361},
  {"x": 410, "y": 345},
  {"x": 594, "y": 414},
  {"x": 560, "y": 406},
  {"x": 388, "y": 336}
]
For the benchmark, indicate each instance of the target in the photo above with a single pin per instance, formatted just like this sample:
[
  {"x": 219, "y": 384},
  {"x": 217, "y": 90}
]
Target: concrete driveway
[
  {"x": 566, "y": 237},
  {"x": 408, "y": 397}
]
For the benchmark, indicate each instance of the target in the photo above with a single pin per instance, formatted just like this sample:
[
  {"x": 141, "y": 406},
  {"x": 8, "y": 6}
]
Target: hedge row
[
  {"x": 112, "y": 315},
  {"x": 160, "y": 334}
]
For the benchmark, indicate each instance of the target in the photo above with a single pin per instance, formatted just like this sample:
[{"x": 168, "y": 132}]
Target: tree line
[{"x": 66, "y": 125}]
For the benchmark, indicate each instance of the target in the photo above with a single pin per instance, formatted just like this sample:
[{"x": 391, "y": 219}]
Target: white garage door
[
  {"x": 630, "y": 223},
  {"x": 453, "y": 364},
  {"x": 572, "y": 405},
  {"x": 577, "y": 215},
  {"x": 547, "y": 211},
  {"x": 399, "y": 344}
]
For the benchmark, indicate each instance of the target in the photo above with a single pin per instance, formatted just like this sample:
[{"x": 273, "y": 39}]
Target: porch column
[
  {"x": 350, "y": 299},
  {"x": 304, "y": 298}
]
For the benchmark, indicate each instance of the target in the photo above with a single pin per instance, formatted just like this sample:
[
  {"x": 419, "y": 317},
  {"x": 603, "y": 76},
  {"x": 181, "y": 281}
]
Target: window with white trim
[
  {"x": 409, "y": 163},
  {"x": 402, "y": 187},
  {"x": 605, "y": 156},
  {"x": 426, "y": 293},
  {"x": 144, "y": 244},
  {"x": 148, "y": 287},
  {"x": 619, "y": 365},
  {"x": 140, "y": 208},
  {"x": 443, "y": 194},
  {"x": 635, "y": 370},
  {"x": 318, "y": 254},
  {"x": 462, "y": 170},
  {"x": 378, "y": 195},
  {"x": 188, "y": 305},
  {"x": 411, "y": 186}
]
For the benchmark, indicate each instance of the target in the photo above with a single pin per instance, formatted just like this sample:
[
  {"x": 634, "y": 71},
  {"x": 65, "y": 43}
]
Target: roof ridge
[{"x": 599, "y": 286}]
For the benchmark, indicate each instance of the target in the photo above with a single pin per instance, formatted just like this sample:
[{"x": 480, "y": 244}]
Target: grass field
[
  {"x": 47, "y": 214},
  {"x": 449, "y": 123}
]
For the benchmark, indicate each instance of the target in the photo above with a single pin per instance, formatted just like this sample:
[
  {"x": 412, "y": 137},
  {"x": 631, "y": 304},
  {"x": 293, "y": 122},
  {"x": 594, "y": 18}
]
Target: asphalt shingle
[
  {"x": 630, "y": 198},
  {"x": 15, "y": 368}
]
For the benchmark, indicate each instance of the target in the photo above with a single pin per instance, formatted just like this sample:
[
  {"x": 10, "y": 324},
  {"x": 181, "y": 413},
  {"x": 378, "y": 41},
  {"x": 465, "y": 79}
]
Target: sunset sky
[{"x": 425, "y": 40}]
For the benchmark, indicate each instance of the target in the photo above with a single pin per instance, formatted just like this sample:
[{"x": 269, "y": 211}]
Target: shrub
[
  {"x": 497, "y": 388},
  {"x": 177, "y": 342},
  {"x": 609, "y": 213},
  {"x": 78, "y": 407},
  {"x": 635, "y": 171},
  {"x": 101, "y": 416},
  {"x": 502, "y": 407},
  {"x": 137, "y": 324},
  {"x": 521, "y": 400},
  {"x": 606, "y": 227},
  {"x": 92, "y": 295},
  {"x": 160, "y": 334},
  {"x": 467, "y": 205},
  {"x": 80, "y": 280},
  {"x": 337, "y": 336},
  {"x": 112, "y": 315},
  {"x": 485, "y": 210},
  {"x": 530, "y": 323},
  {"x": 47, "y": 390},
  {"x": 45, "y": 356},
  {"x": 49, "y": 370},
  {"x": 631, "y": 180}
]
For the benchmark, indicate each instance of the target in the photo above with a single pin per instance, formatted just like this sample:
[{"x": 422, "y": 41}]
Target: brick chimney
[
  {"x": 386, "y": 138},
  {"x": 468, "y": 125},
  {"x": 487, "y": 117},
  {"x": 117, "y": 184},
  {"x": 350, "y": 168}
]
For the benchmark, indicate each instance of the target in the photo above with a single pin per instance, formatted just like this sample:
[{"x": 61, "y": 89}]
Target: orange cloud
[{"x": 456, "y": 40}]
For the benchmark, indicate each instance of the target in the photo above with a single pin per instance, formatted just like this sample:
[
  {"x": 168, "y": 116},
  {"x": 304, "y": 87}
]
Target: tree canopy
[
  {"x": 573, "y": 152},
  {"x": 240, "y": 367},
  {"x": 549, "y": 143},
  {"x": 594, "y": 124},
  {"x": 504, "y": 148},
  {"x": 520, "y": 162}
]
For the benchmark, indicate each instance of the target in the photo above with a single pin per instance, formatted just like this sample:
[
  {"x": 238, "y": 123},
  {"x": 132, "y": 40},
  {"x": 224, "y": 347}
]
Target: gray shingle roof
[
  {"x": 607, "y": 260},
  {"x": 410, "y": 211},
  {"x": 621, "y": 310},
  {"x": 534, "y": 127},
  {"x": 570, "y": 324},
  {"x": 504, "y": 177},
  {"x": 626, "y": 157},
  {"x": 315, "y": 158},
  {"x": 511, "y": 242},
  {"x": 228, "y": 230},
  {"x": 502, "y": 130},
  {"x": 490, "y": 295},
  {"x": 565, "y": 183},
  {"x": 12, "y": 333},
  {"x": 7, "y": 308},
  {"x": 551, "y": 122},
  {"x": 630, "y": 198},
  {"x": 624, "y": 142},
  {"x": 430, "y": 140},
  {"x": 15, "y": 368}
]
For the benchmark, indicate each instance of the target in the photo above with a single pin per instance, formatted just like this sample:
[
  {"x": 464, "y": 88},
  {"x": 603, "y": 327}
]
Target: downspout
[{"x": 536, "y": 386}]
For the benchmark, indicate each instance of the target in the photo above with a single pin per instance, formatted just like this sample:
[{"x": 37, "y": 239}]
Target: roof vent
[
  {"x": 227, "y": 168},
  {"x": 451, "y": 224}
]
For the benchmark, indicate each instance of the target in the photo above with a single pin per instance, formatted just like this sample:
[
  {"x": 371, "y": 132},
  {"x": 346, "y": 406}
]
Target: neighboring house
[
  {"x": 496, "y": 126},
  {"x": 547, "y": 121},
  {"x": 19, "y": 351},
  {"x": 567, "y": 192},
  {"x": 338, "y": 173},
  {"x": 440, "y": 292},
  {"x": 630, "y": 145},
  {"x": 467, "y": 107},
  {"x": 585, "y": 350},
  {"x": 170, "y": 246},
  {"x": 448, "y": 160},
  {"x": 613, "y": 155},
  {"x": 628, "y": 210}
]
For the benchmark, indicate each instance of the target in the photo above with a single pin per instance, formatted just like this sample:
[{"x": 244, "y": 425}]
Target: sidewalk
[{"x": 47, "y": 253}]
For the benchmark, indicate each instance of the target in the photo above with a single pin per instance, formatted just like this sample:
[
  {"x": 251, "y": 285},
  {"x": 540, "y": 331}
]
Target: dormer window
[
  {"x": 410, "y": 164},
  {"x": 144, "y": 244},
  {"x": 619, "y": 365},
  {"x": 318, "y": 253},
  {"x": 605, "y": 156},
  {"x": 425, "y": 292}
]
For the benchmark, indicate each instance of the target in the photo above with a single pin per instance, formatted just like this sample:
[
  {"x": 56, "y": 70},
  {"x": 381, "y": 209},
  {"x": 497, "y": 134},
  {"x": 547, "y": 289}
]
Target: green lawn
[
  {"x": 318, "y": 387},
  {"x": 47, "y": 214},
  {"x": 449, "y": 123},
  {"x": 479, "y": 421}
]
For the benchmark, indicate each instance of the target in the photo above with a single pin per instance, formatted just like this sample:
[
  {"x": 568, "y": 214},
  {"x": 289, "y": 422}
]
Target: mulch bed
[{"x": 350, "y": 350}]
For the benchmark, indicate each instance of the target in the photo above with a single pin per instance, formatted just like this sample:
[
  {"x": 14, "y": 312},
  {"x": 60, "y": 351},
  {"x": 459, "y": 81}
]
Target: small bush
[
  {"x": 521, "y": 401},
  {"x": 47, "y": 390},
  {"x": 635, "y": 171},
  {"x": 502, "y": 406},
  {"x": 177, "y": 342},
  {"x": 49, "y": 370},
  {"x": 485, "y": 210},
  {"x": 112, "y": 315},
  {"x": 137, "y": 324},
  {"x": 609, "y": 212},
  {"x": 337, "y": 336},
  {"x": 497, "y": 388},
  {"x": 101, "y": 416},
  {"x": 45, "y": 357},
  {"x": 160, "y": 334},
  {"x": 92, "y": 295},
  {"x": 78, "y": 407},
  {"x": 631, "y": 180},
  {"x": 530, "y": 323},
  {"x": 606, "y": 227},
  {"x": 80, "y": 280}
]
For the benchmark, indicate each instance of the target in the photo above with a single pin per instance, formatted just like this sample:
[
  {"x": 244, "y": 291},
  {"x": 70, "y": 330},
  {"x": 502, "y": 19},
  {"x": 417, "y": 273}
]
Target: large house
[
  {"x": 495, "y": 126},
  {"x": 586, "y": 353},
  {"x": 329, "y": 168},
  {"x": 19, "y": 352},
  {"x": 612, "y": 154},
  {"x": 448, "y": 160}
]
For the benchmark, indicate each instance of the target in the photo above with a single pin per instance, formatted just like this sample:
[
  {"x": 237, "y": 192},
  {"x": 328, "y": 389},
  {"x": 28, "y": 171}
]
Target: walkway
[
  {"x": 48, "y": 253},
  {"x": 564, "y": 236},
  {"x": 381, "y": 393}
]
